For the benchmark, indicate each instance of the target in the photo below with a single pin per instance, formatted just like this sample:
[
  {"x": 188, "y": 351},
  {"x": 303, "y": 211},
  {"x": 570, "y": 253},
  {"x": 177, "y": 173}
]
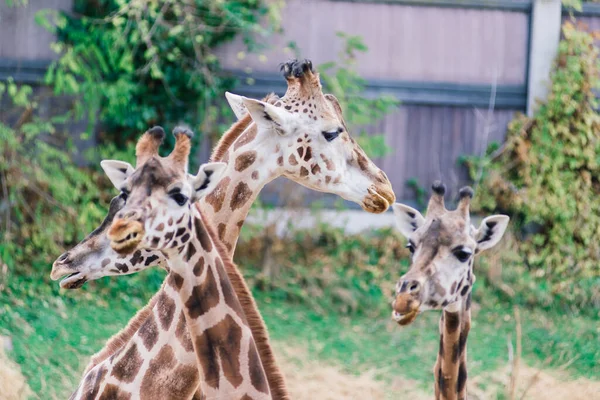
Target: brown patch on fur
[
  {"x": 241, "y": 194},
  {"x": 220, "y": 342},
  {"x": 303, "y": 171},
  {"x": 221, "y": 229},
  {"x": 127, "y": 368},
  {"x": 308, "y": 154},
  {"x": 292, "y": 160},
  {"x": 255, "y": 175},
  {"x": 165, "y": 380},
  {"x": 92, "y": 382},
  {"x": 248, "y": 136},
  {"x": 113, "y": 392},
  {"x": 183, "y": 334},
  {"x": 203, "y": 236},
  {"x": 328, "y": 163},
  {"x": 315, "y": 169},
  {"x": 280, "y": 161},
  {"x": 257, "y": 379},
  {"x": 203, "y": 297},
  {"x": 199, "y": 267},
  {"x": 245, "y": 160},
  {"x": 149, "y": 332},
  {"x": 175, "y": 280},
  {"x": 166, "y": 309},
  {"x": 217, "y": 197}
]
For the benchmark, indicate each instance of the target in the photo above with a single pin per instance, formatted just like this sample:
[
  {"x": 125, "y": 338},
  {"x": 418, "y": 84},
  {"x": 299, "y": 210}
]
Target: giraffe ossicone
[{"x": 443, "y": 245}]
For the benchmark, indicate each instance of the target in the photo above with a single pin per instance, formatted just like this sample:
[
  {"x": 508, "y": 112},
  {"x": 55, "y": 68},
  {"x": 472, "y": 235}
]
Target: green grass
[{"x": 54, "y": 333}]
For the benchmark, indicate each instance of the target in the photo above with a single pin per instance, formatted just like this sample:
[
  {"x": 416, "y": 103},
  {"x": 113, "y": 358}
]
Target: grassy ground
[{"x": 53, "y": 334}]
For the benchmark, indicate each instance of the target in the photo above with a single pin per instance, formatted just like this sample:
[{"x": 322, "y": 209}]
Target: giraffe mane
[
  {"x": 119, "y": 339},
  {"x": 254, "y": 319},
  {"x": 234, "y": 132}
]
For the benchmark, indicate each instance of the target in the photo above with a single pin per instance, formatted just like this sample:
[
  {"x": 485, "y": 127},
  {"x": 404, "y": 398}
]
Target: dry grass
[
  {"x": 533, "y": 384},
  {"x": 12, "y": 382},
  {"x": 309, "y": 379}
]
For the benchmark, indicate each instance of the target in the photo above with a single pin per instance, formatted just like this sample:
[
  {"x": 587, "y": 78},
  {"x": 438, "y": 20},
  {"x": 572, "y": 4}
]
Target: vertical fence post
[{"x": 544, "y": 38}]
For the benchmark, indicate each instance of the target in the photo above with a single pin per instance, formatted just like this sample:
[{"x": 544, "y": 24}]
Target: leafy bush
[
  {"x": 138, "y": 64},
  {"x": 547, "y": 176},
  {"x": 45, "y": 199}
]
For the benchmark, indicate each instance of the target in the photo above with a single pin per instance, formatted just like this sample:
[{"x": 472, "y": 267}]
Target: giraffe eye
[
  {"x": 330, "y": 135},
  {"x": 179, "y": 198},
  {"x": 124, "y": 194},
  {"x": 462, "y": 254},
  {"x": 411, "y": 247}
]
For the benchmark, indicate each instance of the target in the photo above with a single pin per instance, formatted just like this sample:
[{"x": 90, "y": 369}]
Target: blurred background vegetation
[{"x": 126, "y": 66}]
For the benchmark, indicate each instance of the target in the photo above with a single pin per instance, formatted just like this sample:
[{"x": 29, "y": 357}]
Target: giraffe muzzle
[
  {"x": 405, "y": 308},
  {"x": 378, "y": 200},
  {"x": 125, "y": 235}
]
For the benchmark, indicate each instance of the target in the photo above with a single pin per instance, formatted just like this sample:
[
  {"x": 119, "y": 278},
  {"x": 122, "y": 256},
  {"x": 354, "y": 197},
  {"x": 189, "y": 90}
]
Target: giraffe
[
  {"x": 443, "y": 245},
  {"x": 159, "y": 214},
  {"x": 346, "y": 165}
]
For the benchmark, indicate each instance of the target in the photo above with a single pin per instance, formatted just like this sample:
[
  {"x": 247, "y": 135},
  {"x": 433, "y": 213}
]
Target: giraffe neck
[
  {"x": 451, "y": 366},
  {"x": 225, "y": 349},
  {"x": 252, "y": 162}
]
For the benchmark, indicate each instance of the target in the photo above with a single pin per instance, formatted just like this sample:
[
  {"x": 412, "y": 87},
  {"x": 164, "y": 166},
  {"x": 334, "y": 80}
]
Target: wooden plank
[
  {"x": 20, "y": 37},
  {"x": 419, "y": 43}
]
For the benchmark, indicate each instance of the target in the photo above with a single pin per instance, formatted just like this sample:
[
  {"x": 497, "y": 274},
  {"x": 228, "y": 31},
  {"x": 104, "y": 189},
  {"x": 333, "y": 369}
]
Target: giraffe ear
[
  {"x": 267, "y": 116},
  {"x": 207, "y": 178},
  {"x": 407, "y": 218},
  {"x": 117, "y": 171},
  {"x": 236, "y": 103},
  {"x": 490, "y": 231}
]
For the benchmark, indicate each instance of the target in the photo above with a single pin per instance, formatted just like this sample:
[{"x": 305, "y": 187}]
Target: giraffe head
[
  {"x": 443, "y": 244},
  {"x": 93, "y": 258},
  {"x": 311, "y": 143},
  {"x": 158, "y": 195}
]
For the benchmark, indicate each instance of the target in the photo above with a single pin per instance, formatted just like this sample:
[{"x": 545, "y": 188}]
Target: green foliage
[
  {"x": 38, "y": 212},
  {"x": 547, "y": 177},
  {"x": 341, "y": 79},
  {"x": 138, "y": 64},
  {"x": 332, "y": 271}
]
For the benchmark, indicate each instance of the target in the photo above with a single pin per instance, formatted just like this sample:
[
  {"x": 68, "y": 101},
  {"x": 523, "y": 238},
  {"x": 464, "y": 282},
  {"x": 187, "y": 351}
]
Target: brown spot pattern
[
  {"x": 257, "y": 376},
  {"x": 245, "y": 160},
  {"x": 166, "y": 309},
  {"x": 220, "y": 342},
  {"x": 183, "y": 334},
  {"x": 255, "y": 175},
  {"x": 165, "y": 379},
  {"x": 328, "y": 163},
  {"x": 149, "y": 332},
  {"x": 113, "y": 392},
  {"x": 203, "y": 297},
  {"x": 202, "y": 235},
  {"x": 241, "y": 195},
  {"x": 217, "y": 197},
  {"x": 199, "y": 267},
  {"x": 292, "y": 160},
  {"x": 175, "y": 280},
  {"x": 303, "y": 171},
  {"x": 127, "y": 368},
  {"x": 245, "y": 138},
  {"x": 221, "y": 230}
]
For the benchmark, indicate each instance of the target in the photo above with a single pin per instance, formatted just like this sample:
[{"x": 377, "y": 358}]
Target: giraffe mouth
[
  {"x": 405, "y": 319},
  {"x": 73, "y": 281}
]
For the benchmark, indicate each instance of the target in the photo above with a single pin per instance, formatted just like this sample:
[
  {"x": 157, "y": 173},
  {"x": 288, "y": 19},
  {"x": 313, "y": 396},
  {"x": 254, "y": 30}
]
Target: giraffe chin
[{"x": 405, "y": 319}]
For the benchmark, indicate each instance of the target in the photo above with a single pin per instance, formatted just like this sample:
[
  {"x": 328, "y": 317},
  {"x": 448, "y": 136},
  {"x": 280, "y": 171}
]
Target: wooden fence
[{"x": 447, "y": 61}]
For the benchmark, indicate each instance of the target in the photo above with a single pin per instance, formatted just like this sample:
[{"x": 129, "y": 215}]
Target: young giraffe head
[
  {"x": 443, "y": 244},
  {"x": 98, "y": 258},
  {"x": 311, "y": 142},
  {"x": 159, "y": 195}
]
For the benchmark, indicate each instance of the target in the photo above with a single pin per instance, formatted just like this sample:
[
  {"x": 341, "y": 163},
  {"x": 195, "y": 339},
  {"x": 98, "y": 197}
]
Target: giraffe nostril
[{"x": 414, "y": 287}]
